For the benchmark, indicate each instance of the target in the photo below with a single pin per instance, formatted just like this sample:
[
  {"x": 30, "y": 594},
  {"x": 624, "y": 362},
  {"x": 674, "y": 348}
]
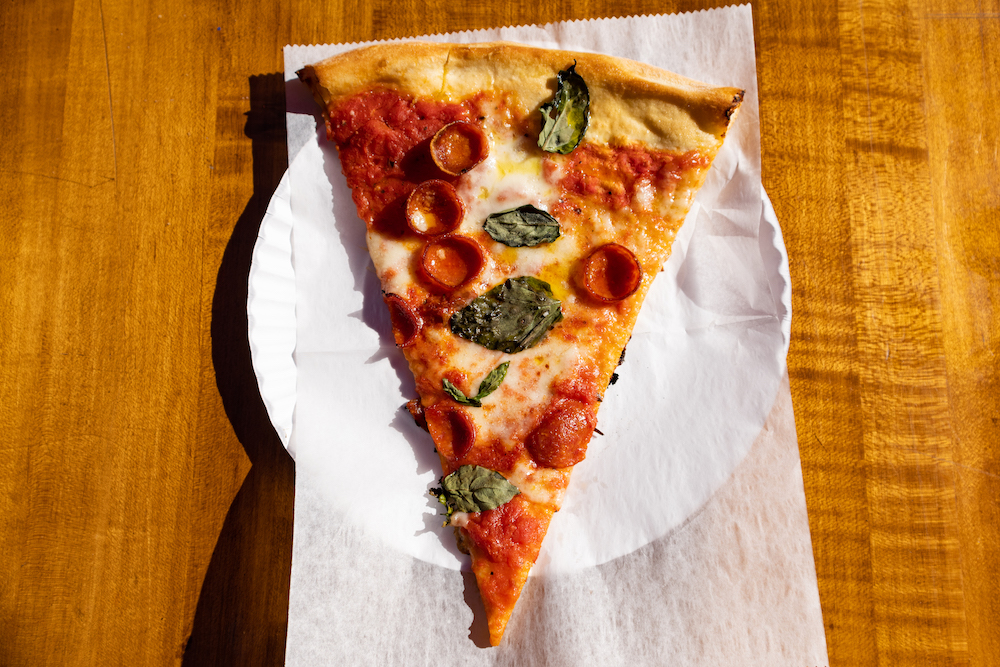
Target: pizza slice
[{"x": 518, "y": 204}]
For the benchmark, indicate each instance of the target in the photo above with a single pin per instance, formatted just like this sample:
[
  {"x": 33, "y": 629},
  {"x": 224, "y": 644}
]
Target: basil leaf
[
  {"x": 511, "y": 317},
  {"x": 457, "y": 394},
  {"x": 486, "y": 387},
  {"x": 492, "y": 381},
  {"x": 522, "y": 226},
  {"x": 564, "y": 119},
  {"x": 475, "y": 489}
]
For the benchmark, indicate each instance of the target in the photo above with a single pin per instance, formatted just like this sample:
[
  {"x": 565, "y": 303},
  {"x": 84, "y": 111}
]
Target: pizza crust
[{"x": 631, "y": 102}]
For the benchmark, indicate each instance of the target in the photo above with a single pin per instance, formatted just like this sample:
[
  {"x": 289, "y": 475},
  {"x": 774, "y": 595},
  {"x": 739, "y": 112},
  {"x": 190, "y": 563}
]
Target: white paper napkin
[{"x": 694, "y": 549}]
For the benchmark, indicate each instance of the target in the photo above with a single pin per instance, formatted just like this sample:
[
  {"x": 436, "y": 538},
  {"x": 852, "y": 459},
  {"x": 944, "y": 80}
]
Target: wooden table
[{"x": 146, "y": 502}]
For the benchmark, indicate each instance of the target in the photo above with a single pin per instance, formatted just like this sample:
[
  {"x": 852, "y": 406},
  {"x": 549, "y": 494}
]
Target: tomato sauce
[
  {"x": 384, "y": 140},
  {"x": 510, "y": 534},
  {"x": 609, "y": 176},
  {"x": 491, "y": 454}
]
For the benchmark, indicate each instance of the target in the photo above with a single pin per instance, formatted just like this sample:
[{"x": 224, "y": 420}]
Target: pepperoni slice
[
  {"x": 562, "y": 436},
  {"x": 452, "y": 428},
  {"x": 434, "y": 208},
  {"x": 611, "y": 273},
  {"x": 450, "y": 261},
  {"x": 406, "y": 323},
  {"x": 458, "y": 147}
]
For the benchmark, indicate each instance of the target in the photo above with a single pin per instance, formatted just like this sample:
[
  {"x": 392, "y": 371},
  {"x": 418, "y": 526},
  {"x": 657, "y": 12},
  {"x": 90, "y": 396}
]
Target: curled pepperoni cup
[
  {"x": 406, "y": 323},
  {"x": 434, "y": 208},
  {"x": 562, "y": 436},
  {"x": 448, "y": 262},
  {"x": 611, "y": 273},
  {"x": 453, "y": 430},
  {"x": 458, "y": 147}
]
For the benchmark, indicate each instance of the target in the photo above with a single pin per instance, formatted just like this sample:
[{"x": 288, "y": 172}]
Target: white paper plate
[{"x": 271, "y": 311}]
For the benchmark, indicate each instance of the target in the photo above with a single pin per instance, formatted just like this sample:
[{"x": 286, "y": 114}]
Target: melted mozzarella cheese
[
  {"x": 644, "y": 196},
  {"x": 395, "y": 258},
  {"x": 525, "y": 391},
  {"x": 509, "y": 177},
  {"x": 544, "y": 486}
]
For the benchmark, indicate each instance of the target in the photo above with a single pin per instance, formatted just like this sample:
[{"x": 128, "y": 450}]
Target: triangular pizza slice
[{"x": 518, "y": 203}]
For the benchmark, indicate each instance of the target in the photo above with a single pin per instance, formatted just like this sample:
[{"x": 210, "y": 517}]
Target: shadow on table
[{"x": 242, "y": 612}]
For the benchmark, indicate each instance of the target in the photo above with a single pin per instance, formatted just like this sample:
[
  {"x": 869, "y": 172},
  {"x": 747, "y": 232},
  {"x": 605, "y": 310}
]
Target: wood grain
[
  {"x": 882, "y": 384},
  {"x": 146, "y": 502},
  {"x": 965, "y": 203}
]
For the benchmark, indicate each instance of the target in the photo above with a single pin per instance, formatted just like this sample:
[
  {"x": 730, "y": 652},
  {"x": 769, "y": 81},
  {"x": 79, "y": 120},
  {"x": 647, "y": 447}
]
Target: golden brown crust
[{"x": 630, "y": 101}]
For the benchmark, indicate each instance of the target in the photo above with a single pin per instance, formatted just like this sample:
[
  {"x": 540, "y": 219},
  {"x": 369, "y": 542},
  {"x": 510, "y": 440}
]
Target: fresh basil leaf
[
  {"x": 486, "y": 387},
  {"x": 457, "y": 394},
  {"x": 475, "y": 489},
  {"x": 522, "y": 226},
  {"x": 512, "y": 317},
  {"x": 492, "y": 381},
  {"x": 564, "y": 119}
]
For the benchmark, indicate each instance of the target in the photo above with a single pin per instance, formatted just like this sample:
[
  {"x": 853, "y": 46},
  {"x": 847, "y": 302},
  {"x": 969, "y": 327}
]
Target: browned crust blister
[{"x": 631, "y": 102}]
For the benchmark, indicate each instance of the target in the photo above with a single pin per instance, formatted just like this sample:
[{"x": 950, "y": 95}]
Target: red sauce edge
[
  {"x": 610, "y": 175},
  {"x": 509, "y": 535},
  {"x": 383, "y": 138}
]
